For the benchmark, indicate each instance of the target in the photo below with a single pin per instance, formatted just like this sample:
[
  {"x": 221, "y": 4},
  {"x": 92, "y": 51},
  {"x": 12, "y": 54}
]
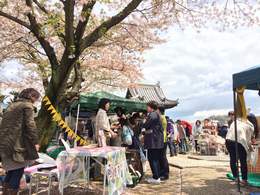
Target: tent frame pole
[
  {"x": 236, "y": 143},
  {"x": 76, "y": 128}
]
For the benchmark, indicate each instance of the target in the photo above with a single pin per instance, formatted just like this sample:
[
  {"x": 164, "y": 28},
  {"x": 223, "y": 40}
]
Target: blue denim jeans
[
  {"x": 13, "y": 178},
  {"x": 154, "y": 156},
  {"x": 183, "y": 146},
  {"x": 172, "y": 147}
]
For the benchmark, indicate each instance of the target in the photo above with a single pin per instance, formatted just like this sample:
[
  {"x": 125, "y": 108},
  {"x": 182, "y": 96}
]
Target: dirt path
[{"x": 198, "y": 177}]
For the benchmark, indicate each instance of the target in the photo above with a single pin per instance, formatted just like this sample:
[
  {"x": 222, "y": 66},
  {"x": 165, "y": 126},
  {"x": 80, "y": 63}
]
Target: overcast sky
[{"x": 197, "y": 68}]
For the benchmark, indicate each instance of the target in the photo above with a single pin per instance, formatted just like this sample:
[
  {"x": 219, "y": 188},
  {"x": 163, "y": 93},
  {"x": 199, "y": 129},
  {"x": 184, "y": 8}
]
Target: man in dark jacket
[{"x": 153, "y": 140}]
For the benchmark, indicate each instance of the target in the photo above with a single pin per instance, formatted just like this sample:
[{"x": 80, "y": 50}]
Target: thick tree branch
[
  {"x": 76, "y": 85},
  {"x": 36, "y": 30},
  {"x": 105, "y": 26},
  {"x": 40, "y": 6},
  {"x": 69, "y": 51},
  {"x": 69, "y": 19},
  {"x": 14, "y": 19},
  {"x": 85, "y": 14},
  {"x": 49, "y": 50}
]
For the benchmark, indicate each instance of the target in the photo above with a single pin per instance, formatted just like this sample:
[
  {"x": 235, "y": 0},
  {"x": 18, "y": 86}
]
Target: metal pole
[
  {"x": 77, "y": 122},
  {"x": 236, "y": 143}
]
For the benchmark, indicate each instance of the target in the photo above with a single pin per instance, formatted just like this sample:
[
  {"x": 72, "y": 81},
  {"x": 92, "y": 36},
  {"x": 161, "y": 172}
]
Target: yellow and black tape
[{"x": 61, "y": 123}]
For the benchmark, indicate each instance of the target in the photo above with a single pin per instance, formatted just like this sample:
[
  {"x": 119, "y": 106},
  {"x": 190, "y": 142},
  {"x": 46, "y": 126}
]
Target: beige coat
[{"x": 102, "y": 127}]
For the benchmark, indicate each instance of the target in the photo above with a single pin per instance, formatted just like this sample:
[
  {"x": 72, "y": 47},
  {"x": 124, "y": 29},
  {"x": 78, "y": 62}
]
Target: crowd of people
[
  {"x": 150, "y": 134},
  {"x": 150, "y": 131},
  {"x": 155, "y": 132}
]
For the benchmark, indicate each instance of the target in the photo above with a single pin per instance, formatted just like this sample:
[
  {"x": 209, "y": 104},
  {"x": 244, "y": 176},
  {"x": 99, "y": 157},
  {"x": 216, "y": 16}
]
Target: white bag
[
  {"x": 45, "y": 159},
  {"x": 253, "y": 157}
]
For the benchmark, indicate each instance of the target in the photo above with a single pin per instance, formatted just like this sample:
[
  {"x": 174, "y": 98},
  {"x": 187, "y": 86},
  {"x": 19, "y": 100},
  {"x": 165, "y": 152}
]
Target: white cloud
[
  {"x": 206, "y": 113},
  {"x": 197, "y": 68}
]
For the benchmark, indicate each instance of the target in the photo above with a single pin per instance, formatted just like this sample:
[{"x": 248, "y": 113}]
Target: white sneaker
[{"x": 154, "y": 181}]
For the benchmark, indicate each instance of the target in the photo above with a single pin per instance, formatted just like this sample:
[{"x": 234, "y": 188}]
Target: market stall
[
  {"x": 74, "y": 165},
  {"x": 83, "y": 111},
  {"x": 246, "y": 80}
]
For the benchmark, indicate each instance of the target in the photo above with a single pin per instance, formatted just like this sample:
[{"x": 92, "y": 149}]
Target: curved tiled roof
[{"x": 148, "y": 93}]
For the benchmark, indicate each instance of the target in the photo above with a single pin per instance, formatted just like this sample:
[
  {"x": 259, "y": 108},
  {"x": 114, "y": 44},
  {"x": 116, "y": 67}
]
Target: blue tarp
[{"x": 249, "y": 78}]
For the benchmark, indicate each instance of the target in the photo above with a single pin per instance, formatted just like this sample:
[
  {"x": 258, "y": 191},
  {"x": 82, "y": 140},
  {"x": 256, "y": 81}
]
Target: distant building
[{"x": 146, "y": 93}]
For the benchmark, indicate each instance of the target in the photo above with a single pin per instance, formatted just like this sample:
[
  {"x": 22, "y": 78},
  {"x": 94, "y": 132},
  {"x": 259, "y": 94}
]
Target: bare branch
[
  {"x": 14, "y": 19},
  {"x": 49, "y": 50},
  {"x": 85, "y": 14},
  {"x": 107, "y": 25},
  {"x": 69, "y": 19},
  {"x": 69, "y": 36},
  {"x": 36, "y": 30},
  {"x": 40, "y": 6}
]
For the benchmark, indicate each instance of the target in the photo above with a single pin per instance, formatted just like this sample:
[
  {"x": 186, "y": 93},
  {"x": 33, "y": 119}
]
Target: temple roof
[{"x": 146, "y": 93}]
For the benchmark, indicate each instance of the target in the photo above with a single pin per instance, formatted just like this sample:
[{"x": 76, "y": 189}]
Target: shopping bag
[{"x": 254, "y": 157}]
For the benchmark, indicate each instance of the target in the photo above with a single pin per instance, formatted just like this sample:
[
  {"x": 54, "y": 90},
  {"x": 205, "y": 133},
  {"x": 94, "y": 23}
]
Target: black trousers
[
  {"x": 242, "y": 156},
  {"x": 13, "y": 178},
  {"x": 154, "y": 156},
  {"x": 164, "y": 165}
]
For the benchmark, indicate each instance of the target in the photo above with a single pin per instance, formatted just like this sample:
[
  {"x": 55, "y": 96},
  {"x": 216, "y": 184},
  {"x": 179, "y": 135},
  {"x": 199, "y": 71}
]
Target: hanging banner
[{"x": 56, "y": 117}]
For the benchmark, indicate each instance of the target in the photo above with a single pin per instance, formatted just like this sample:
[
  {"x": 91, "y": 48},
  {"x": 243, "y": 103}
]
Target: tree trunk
[
  {"x": 56, "y": 92},
  {"x": 44, "y": 121},
  {"x": 46, "y": 127}
]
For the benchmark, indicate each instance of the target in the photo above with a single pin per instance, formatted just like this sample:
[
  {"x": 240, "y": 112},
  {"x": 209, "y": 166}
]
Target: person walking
[
  {"x": 19, "y": 139},
  {"x": 103, "y": 129},
  {"x": 245, "y": 131},
  {"x": 164, "y": 164},
  {"x": 153, "y": 140}
]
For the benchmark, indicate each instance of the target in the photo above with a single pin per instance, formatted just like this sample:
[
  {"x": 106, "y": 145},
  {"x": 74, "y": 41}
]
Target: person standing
[
  {"x": 19, "y": 139},
  {"x": 164, "y": 164},
  {"x": 188, "y": 128},
  {"x": 231, "y": 116},
  {"x": 170, "y": 137},
  {"x": 103, "y": 129},
  {"x": 153, "y": 140},
  {"x": 182, "y": 137},
  {"x": 196, "y": 131},
  {"x": 245, "y": 131}
]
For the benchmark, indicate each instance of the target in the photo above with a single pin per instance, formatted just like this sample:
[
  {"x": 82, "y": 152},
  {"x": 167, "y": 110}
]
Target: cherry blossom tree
[{"x": 75, "y": 45}]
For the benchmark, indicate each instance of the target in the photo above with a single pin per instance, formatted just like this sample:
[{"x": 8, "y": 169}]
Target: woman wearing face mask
[{"x": 19, "y": 139}]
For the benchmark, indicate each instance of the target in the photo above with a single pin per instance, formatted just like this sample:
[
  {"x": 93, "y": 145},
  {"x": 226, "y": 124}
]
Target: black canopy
[{"x": 249, "y": 78}]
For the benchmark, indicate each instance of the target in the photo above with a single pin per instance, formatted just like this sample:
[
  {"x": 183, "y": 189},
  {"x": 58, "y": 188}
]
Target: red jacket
[{"x": 189, "y": 126}]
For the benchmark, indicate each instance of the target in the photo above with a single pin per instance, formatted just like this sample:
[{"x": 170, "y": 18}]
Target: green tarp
[
  {"x": 253, "y": 179},
  {"x": 89, "y": 102},
  {"x": 249, "y": 78}
]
